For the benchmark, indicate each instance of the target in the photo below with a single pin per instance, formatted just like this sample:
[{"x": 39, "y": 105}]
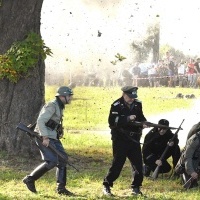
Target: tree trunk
[
  {"x": 156, "y": 47},
  {"x": 22, "y": 101}
]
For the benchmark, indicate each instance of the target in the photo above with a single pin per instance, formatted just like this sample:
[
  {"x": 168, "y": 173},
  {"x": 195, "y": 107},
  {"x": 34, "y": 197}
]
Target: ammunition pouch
[
  {"x": 52, "y": 124},
  {"x": 55, "y": 126}
]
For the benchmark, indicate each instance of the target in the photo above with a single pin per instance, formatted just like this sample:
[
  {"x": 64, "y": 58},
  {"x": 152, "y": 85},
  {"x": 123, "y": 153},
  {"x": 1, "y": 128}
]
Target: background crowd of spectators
[{"x": 166, "y": 72}]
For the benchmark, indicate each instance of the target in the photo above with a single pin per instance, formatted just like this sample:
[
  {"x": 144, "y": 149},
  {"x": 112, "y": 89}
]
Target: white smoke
[
  {"x": 70, "y": 29},
  {"x": 191, "y": 117}
]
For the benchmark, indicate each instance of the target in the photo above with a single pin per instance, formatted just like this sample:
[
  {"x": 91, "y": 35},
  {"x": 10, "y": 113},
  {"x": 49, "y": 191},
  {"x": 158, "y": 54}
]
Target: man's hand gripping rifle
[
  {"x": 31, "y": 133},
  {"x": 156, "y": 171}
]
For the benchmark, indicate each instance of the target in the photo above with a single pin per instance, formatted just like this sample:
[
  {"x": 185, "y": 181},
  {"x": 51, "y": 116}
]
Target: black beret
[
  {"x": 164, "y": 122},
  {"x": 130, "y": 91}
]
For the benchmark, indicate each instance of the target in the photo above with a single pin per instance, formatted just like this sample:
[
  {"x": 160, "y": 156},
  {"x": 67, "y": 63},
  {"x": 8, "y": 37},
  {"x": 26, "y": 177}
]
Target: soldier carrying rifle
[
  {"x": 155, "y": 143},
  {"x": 49, "y": 127},
  {"x": 124, "y": 112}
]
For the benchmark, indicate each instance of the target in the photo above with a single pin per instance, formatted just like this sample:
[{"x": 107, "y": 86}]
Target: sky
[{"x": 70, "y": 28}]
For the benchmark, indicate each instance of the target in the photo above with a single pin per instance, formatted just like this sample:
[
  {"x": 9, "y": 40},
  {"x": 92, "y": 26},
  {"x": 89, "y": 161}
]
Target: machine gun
[
  {"x": 31, "y": 133},
  {"x": 156, "y": 171}
]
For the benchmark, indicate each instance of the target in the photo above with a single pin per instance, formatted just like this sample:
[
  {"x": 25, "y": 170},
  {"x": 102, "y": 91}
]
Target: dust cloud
[
  {"x": 86, "y": 35},
  {"x": 191, "y": 116}
]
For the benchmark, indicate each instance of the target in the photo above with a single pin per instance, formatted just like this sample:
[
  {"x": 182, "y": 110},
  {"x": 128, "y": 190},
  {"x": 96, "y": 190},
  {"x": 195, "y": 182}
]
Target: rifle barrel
[
  {"x": 149, "y": 124},
  {"x": 188, "y": 183}
]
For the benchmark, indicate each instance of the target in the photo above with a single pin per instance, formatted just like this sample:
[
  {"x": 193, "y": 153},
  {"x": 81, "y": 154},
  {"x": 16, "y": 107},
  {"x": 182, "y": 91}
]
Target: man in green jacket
[{"x": 49, "y": 127}]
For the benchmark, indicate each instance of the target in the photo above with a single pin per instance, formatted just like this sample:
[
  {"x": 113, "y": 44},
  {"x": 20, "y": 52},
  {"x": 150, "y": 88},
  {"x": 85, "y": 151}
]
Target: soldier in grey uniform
[
  {"x": 49, "y": 127},
  {"x": 188, "y": 164}
]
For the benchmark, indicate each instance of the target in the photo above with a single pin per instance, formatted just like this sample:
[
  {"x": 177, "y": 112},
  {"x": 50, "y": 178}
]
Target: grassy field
[
  {"x": 90, "y": 151},
  {"x": 90, "y": 109}
]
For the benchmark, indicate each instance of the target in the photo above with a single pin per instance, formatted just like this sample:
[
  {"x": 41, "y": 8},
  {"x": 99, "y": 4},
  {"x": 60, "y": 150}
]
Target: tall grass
[{"x": 91, "y": 151}]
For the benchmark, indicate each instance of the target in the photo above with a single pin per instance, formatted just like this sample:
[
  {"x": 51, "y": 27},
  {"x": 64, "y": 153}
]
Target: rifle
[
  {"x": 31, "y": 133},
  {"x": 75, "y": 99},
  {"x": 156, "y": 171},
  {"x": 188, "y": 183},
  {"x": 149, "y": 124}
]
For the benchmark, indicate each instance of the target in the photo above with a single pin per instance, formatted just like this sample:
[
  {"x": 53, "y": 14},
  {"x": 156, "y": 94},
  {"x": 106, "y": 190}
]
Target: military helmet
[{"x": 64, "y": 91}]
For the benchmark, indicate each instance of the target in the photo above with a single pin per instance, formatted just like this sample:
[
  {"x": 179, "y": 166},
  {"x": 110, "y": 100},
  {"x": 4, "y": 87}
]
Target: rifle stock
[
  {"x": 31, "y": 133},
  {"x": 156, "y": 171}
]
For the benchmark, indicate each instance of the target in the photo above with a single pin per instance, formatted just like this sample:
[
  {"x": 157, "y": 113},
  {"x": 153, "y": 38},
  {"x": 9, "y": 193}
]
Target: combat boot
[
  {"x": 36, "y": 174},
  {"x": 61, "y": 174},
  {"x": 107, "y": 190},
  {"x": 30, "y": 183},
  {"x": 64, "y": 191},
  {"x": 136, "y": 191}
]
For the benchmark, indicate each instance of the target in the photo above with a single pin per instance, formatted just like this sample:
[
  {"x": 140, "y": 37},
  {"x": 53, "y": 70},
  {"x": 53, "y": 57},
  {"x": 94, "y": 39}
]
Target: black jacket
[
  {"x": 118, "y": 117},
  {"x": 155, "y": 144}
]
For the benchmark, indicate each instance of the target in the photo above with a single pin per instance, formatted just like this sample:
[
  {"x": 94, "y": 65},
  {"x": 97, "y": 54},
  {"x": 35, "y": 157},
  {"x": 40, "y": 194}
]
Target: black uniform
[
  {"x": 125, "y": 141},
  {"x": 154, "y": 146}
]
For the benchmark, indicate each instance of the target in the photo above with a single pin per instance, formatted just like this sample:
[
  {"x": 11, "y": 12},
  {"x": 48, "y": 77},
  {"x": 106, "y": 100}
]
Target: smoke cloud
[{"x": 86, "y": 35}]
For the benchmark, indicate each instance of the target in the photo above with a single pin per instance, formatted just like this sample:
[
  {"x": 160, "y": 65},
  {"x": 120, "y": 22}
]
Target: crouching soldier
[
  {"x": 188, "y": 164},
  {"x": 155, "y": 143}
]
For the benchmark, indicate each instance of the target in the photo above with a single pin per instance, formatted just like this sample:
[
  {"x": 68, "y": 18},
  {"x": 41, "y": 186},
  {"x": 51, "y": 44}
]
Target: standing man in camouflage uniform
[
  {"x": 125, "y": 139},
  {"x": 49, "y": 126}
]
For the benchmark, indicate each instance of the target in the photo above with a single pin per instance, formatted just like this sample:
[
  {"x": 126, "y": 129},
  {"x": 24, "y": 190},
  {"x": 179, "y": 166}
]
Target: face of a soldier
[
  {"x": 162, "y": 131},
  {"x": 66, "y": 99},
  {"x": 127, "y": 99}
]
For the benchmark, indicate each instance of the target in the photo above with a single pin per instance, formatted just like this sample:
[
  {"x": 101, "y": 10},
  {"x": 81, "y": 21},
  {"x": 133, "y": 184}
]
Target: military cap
[
  {"x": 130, "y": 91},
  {"x": 163, "y": 122}
]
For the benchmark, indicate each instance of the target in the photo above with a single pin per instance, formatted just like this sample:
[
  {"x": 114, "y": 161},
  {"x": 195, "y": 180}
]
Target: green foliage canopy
[{"x": 22, "y": 56}]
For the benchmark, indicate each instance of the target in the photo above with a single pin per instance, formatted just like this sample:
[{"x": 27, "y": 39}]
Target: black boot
[
  {"x": 61, "y": 174},
  {"x": 106, "y": 189},
  {"x": 136, "y": 191},
  {"x": 36, "y": 174}
]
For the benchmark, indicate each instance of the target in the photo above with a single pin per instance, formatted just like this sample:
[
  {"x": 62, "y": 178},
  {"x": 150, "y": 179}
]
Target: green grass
[
  {"x": 89, "y": 110},
  {"x": 91, "y": 150}
]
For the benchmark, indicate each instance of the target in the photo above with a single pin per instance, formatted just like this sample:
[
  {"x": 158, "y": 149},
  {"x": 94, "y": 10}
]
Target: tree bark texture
[{"x": 21, "y": 101}]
